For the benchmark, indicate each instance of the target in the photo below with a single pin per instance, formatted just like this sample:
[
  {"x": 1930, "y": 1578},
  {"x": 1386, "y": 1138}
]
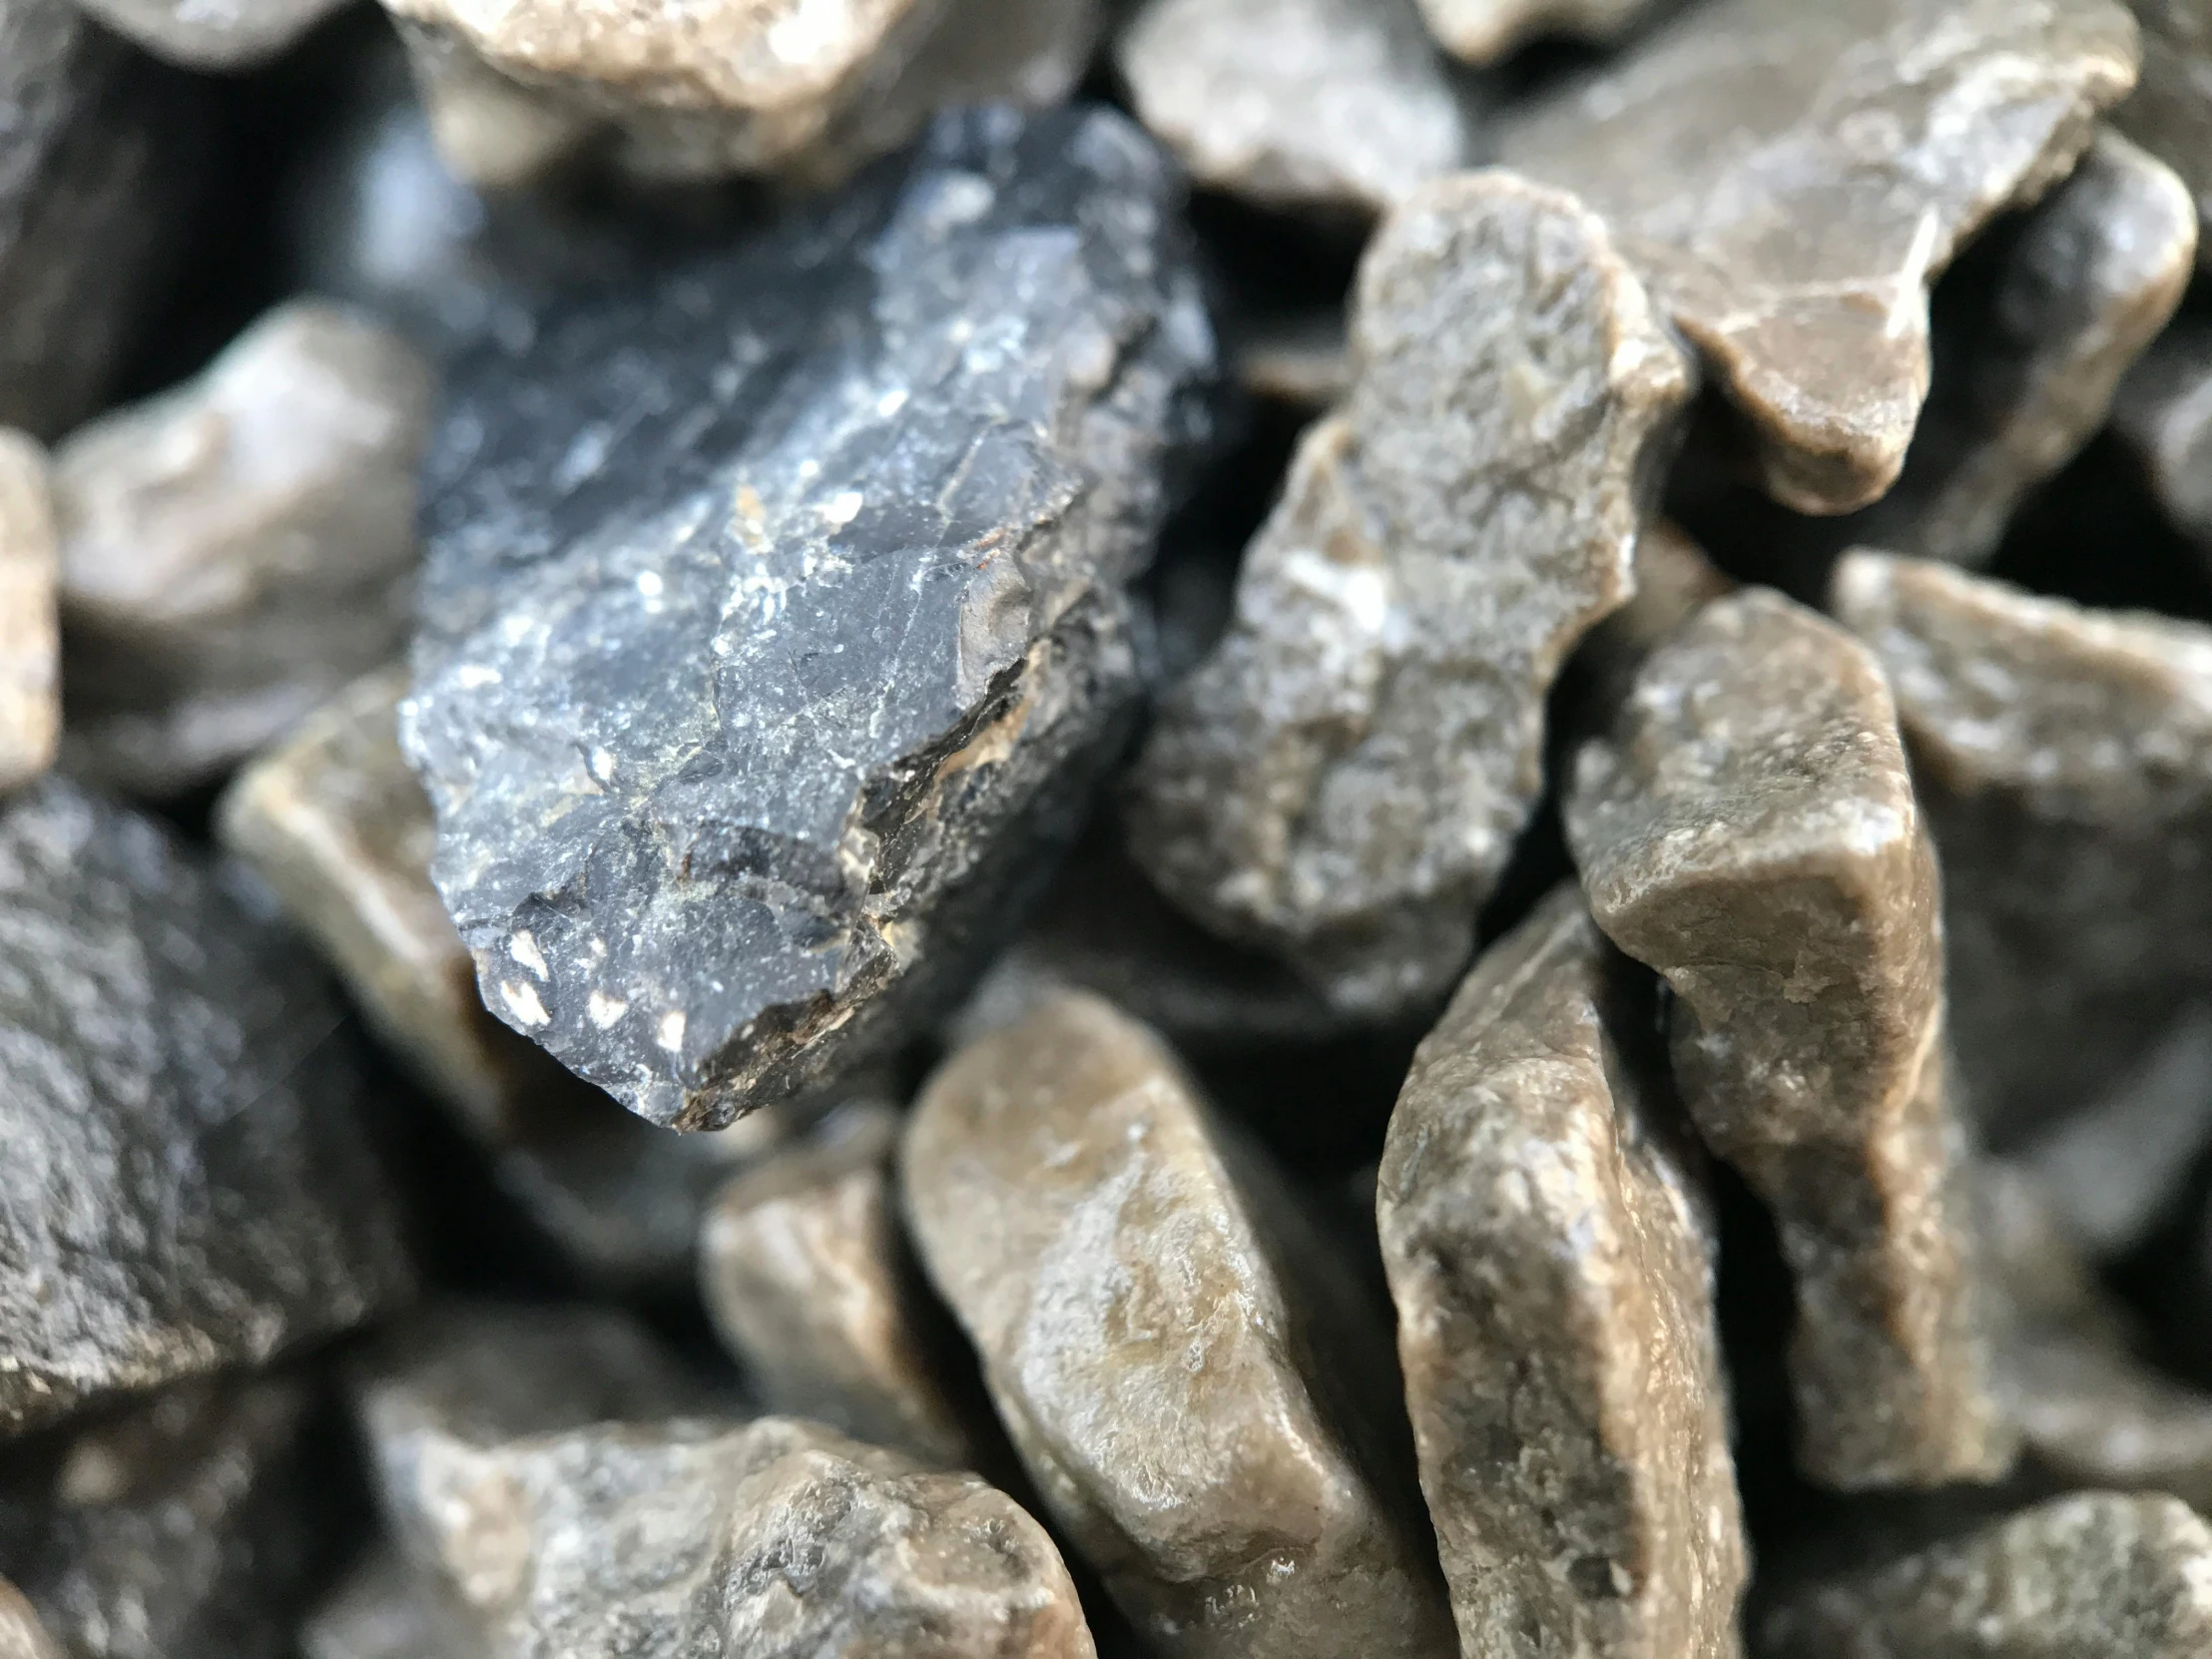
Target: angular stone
[
  {"x": 235, "y": 550},
  {"x": 1196, "y": 1381},
  {"x": 1551, "y": 1259},
  {"x": 2089, "y": 280},
  {"x": 1301, "y": 104},
  {"x": 2065, "y": 760},
  {"x": 237, "y": 34},
  {"x": 387, "y": 1609},
  {"x": 30, "y": 623},
  {"x": 189, "y": 1527},
  {"x": 1343, "y": 779},
  {"x": 2096, "y": 1576},
  {"x": 1748, "y": 829},
  {"x": 808, "y": 1280},
  {"x": 186, "y": 1186},
  {"x": 1788, "y": 178},
  {"x": 22, "y": 1636},
  {"x": 751, "y": 704},
  {"x": 2164, "y": 414},
  {"x": 2170, "y": 111}
]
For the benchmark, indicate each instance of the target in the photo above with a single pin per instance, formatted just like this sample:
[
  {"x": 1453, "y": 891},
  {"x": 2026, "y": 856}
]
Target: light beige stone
[
  {"x": 30, "y": 625},
  {"x": 212, "y": 34}
]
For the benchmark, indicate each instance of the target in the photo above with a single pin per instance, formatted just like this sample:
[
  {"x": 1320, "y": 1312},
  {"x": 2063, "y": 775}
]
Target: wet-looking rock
[
  {"x": 1343, "y": 779},
  {"x": 1789, "y": 177},
  {"x": 30, "y": 625},
  {"x": 1193, "y": 1381},
  {"x": 2064, "y": 759},
  {"x": 1552, "y": 1267},
  {"x": 1748, "y": 829},
  {"x": 185, "y": 1186},
  {"x": 236, "y": 549},
  {"x": 776, "y": 623}
]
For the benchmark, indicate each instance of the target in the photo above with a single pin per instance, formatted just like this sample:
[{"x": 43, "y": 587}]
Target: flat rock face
[
  {"x": 1748, "y": 829},
  {"x": 2094, "y": 1573},
  {"x": 230, "y": 34},
  {"x": 2085, "y": 283},
  {"x": 187, "y": 1187},
  {"x": 2064, "y": 757},
  {"x": 774, "y": 623},
  {"x": 1483, "y": 30},
  {"x": 2164, "y": 414},
  {"x": 236, "y": 550},
  {"x": 1314, "y": 103},
  {"x": 1552, "y": 1267},
  {"x": 1789, "y": 177},
  {"x": 1343, "y": 779},
  {"x": 30, "y": 623},
  {"x": 2170, "y": 111},
  {"x": 1195, "y": 1382},
  {"x": 808, "y": 1280}
]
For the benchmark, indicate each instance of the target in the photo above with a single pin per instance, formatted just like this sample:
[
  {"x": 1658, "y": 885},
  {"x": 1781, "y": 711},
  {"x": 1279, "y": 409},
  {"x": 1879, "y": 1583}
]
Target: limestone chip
[
  {"x": 227, "y": 34},
  {"x": 1788, "y": 178},
  {"x": 1195, "y": 1382},
  {"x": 1552, "y": 1265},
  {"x": 1343, "y": 779},
  {"x": 30, "y": 625},
  {"x": 2170, "y": 111},
  {"x": 1748, "y": 829}
]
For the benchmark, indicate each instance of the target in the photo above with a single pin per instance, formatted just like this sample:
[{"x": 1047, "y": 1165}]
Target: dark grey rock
[
  {"x": 775, "y": 620},
  {"x": 185, "y": 1186},
  {"x": 2164, "y": 414},
  {"x": 22, "y": 1636}
]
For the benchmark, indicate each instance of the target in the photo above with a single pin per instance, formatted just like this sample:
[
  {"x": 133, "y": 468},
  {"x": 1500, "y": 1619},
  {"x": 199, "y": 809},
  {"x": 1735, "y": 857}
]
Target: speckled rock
[
  {"x": 1883, "y": 134},
  {"x": 387, "y": 1609},
  {"x": 222, "y": 35},
  {"x": 1552, "y": 1265},
  {"x": 750, "y": 709},
  {"x": 1302, "y": 103},
  {"x": 2170, "y": 111},
  {"x": 1343, "y": 779},
  {"x": 235, "y": 550},
  {"x": 1747, "y": 827},
  {"x": 30, "y": 622},
  {"x": 1483, "y": 30},
  {"x": 2064, "y": 759},
  {"x": 186, "y": 1186},
  {"x": 1073, "y": 1200},
  {"x": 2164, "y": 414}
]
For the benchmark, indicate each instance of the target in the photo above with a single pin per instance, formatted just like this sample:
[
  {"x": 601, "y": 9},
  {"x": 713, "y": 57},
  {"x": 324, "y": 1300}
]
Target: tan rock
[
  {"x": 1748, "y": 829},
  {"x": 2170, "y": 111},
  {"x": 1788, "y": 178},
  {"x": 1482, "y": 31},
  {"x": 30, "y": 625},
  {"x": 1194, "y": 1381},
  {"x": 21, "y": 1634},
  {"x": 1674, "y": 580},
  {"x": 1552, "y": 1265}
]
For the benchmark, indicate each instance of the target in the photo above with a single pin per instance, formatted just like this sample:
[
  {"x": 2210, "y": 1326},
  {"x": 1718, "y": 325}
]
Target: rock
[
  {"x": 1302, "y": 361},
  {"x": 1748, "y": 828},
  {"x": 1343, "y": 779},
  {"x": 1552, "y": 1263},
  {"x": 2164, "y": 414},
  {"x": 235, "y": 550},
  {"x": 1335, "y": 105},
  {"x": 187, "y": 1187},
  {"x": 1484, "y": 31},
  {"x": 811, "y": 1283},
  {"x": 2092, "y": 275},
  {"x": 187, "y": 1528},
  {"x": 1674, "y": 580},
  {"x": 2094, "y": 1576},
  {"x": 234, "y": 34},
  {"x": 1883, "y": 134},
  {"x": 733, "y": 797},
  {"x": 30, "y": 623},
  {"x": 2170, "y": 111},
  {"x": 2065, "y": 760},
  {"x": 803, "y": 91},
  {"x": 386, "y": 1609},
  {"x": 21, "y": 1634},
  {"x": 1193, "y": 1378}
]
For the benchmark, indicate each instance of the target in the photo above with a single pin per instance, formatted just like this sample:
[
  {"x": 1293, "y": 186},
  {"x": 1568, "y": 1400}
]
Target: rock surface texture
[
  {"x": 1788, "y": 178},
  {"x": 2170, "y": 111},
  {"x": 30, "y": 622},
  {"x": 1343, "y": 779},
  {"x": 222, "y": 35},
  {"x": 2065, "y": 759},
  {"x": 238, "y": 549},
  {"x": 185, "y": 1187},
  {"x": 1191, "y": 1378},
  {"x": 1552, "y": 1267},
  {"x": 1748, "y": 829},
  {"x": 775, "y": 618}
]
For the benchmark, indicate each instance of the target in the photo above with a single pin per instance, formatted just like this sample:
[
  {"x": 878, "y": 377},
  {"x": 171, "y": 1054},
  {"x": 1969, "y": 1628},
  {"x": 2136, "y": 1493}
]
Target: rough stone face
[
  {"x": 1748, "y": 829},
  {"x": 185, "y": 1187},
  {"x": 186, "y": 1528},
  {"x": 1788, "y": 178},
  {"x": 1313, "y": 104},
  {"x": 1343, "y": 779},
  {"x": 230, "y": 34},
  {"x": 30, "y": 623},
  {"x": 1195, "y": 1382},
  {"x": 2065, "y": 759},
  {"x": 2170, "y": 111},
  {"x": 1483, "y": 30},
  {"x": 774, "y": 623},
  {"x": 2164, "y": 414},
  {"x": 2094, "y": 1576},
  {"x": 22, "y": 1636},
  {"x": 1553, "y": 1265},
  {"x": 2091, "y": 277},
  {"x": 235, "y": 550}
]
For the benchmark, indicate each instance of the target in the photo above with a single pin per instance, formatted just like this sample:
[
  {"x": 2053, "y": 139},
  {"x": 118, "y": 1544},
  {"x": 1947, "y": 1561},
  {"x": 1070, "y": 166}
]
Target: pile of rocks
[{"x": 690, "y": 966}]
